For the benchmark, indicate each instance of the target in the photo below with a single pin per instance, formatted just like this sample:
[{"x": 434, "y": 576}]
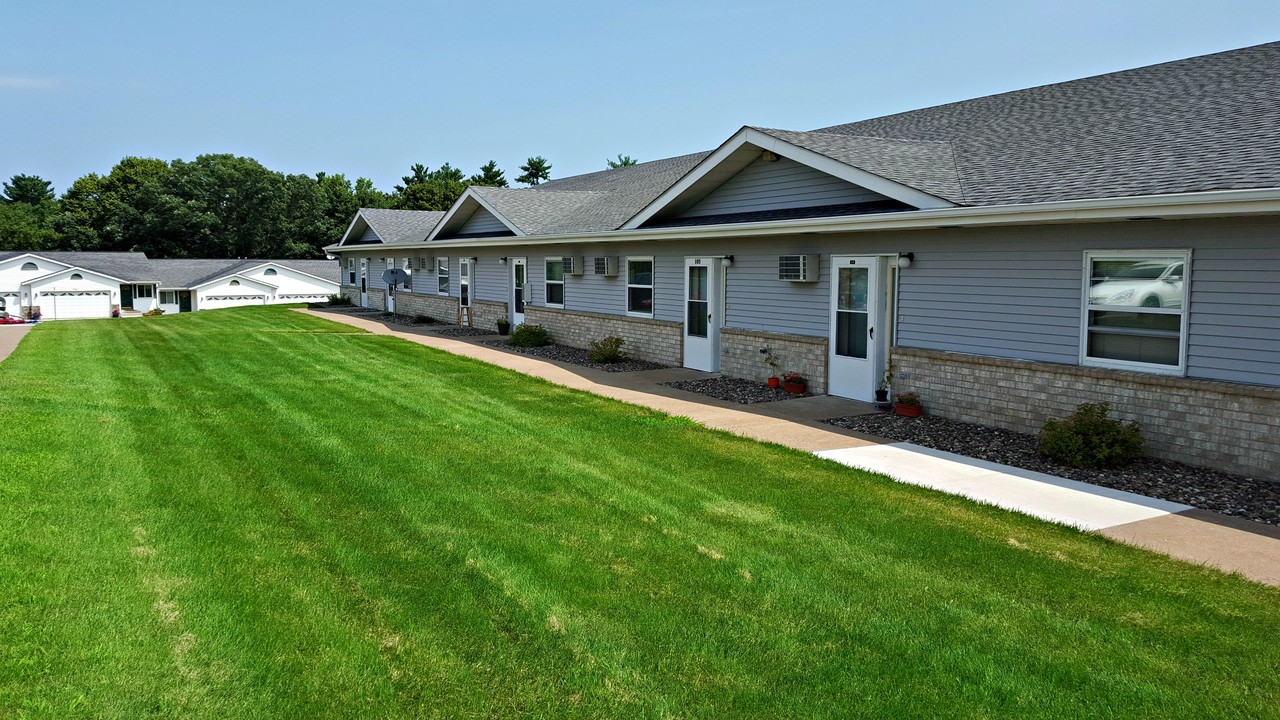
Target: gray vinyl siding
[
  {"x": 1017, "y": 293},
  {"x": 1003, "y": 292},
  {"x": 482, "y": 221},
  {"x": 370, "y": 236},
  {"x": 782, "y": 184}
]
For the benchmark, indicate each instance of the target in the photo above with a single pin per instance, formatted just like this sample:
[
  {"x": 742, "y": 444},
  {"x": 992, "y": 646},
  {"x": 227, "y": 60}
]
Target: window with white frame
[
  {"x": 464, "y": 282},
  {"x": 442, "y": 275},
  {"x": 351, "y": 271},
  {"x": 640, "y": 286},
  {"x": 1135, "y": 310},
  {"x": 146, "y": 291},
  {"x": 554, "y": 282},
  {"x": 168, "y": 297}
]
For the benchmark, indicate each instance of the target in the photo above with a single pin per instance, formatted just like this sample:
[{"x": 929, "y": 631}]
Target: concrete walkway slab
[
  {"x": 1196, "y": 536},
  {"x": 10, "y": 336},
  {"x": 1048, "y": 497}
]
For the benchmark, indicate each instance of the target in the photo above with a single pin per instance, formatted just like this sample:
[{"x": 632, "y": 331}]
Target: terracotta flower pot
[
  {"x": 794, "y": 388},
  {"x": 908, "y": 410},
  {"x": 774, "y": 382}
]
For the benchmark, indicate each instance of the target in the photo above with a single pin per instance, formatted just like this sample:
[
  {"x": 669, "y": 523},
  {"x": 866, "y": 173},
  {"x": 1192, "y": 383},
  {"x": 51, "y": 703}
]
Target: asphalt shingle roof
[
  {"x": 401, "y": 226},
  {"x": 123, "y": 265},
  {"x": 1205, "y": 123}
]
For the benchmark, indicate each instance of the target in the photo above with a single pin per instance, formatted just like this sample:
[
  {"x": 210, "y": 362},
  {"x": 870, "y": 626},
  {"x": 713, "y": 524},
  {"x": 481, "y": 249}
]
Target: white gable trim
[
  {"x": 236, "y": 276},
  {"x": 359, "y": 218},
  {"x": 279, "y": 267},
  {"x": 454, "y": 214},
  {"x": 74, "y": 269},
  {"x": 692, "y": 181}
]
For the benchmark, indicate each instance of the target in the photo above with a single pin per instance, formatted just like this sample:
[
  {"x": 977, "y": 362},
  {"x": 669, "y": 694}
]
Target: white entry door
[
  {"x": 519, "y": 280},
  {"x": 364, "y": 282},
  {"x": 703, "y": 313},
  {"x": 854, "y": 357}
]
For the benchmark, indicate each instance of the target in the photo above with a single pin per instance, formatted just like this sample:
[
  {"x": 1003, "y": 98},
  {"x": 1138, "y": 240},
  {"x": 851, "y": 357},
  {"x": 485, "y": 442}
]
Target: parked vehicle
[{"x": 1141, "y": 284}]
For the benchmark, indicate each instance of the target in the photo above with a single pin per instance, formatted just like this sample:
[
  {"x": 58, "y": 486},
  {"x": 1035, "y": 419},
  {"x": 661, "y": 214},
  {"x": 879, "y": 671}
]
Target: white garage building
[{"x": 76, "y": 285}]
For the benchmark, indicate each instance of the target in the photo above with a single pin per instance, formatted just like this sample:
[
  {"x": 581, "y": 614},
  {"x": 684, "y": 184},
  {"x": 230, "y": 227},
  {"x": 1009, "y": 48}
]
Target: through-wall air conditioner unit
[
  {"x": 798, "y": 268},
  {"x": 607, "y": 266},
  {"x": 426, "y": 263},
  {"x": 573, "y": 265}
]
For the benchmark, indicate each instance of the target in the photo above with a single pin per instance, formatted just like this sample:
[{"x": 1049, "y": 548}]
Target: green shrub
[
  {"x": 153, "y": 312},
  {"x": 338, "y": 300},
  {"x": 1089, "y": 439},
  {"x": 530, "y": 336},
  {"x": 607, "y": 350}
]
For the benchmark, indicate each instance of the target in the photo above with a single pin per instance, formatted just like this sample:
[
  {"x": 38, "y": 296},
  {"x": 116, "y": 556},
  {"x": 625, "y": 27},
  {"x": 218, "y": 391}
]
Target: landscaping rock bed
[
  {"x": 1257, "y": 500},
  {"x": 462, "y": 331},
  {"x": 408, "y": 320},
  {"x": 577, "y": 356},
  {"x": 736, "y": 390}
]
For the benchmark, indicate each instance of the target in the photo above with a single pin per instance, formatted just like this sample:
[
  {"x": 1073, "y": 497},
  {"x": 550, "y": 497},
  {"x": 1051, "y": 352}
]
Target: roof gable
[
  {"x": 775, "y": 183},
  {"x": 390, "y": 227},
  {"x": 478, "y": 206},
  {"x": 749, "y": 145}
]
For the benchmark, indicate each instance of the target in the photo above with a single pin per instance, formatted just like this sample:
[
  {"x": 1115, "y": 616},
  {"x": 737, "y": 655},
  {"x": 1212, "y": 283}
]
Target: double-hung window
[
  {"x": 442, "y": 275},
  {"x": 1135, "y": 310},
  {"x": 555, "y": 282},
  {"x": 640, "y": 286},
  {"x": 464, "y": 282},
  {"x": 351, "y": 271}
]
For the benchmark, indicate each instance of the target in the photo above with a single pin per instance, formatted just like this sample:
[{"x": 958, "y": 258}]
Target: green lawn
[{"x": 254, "y": 513}]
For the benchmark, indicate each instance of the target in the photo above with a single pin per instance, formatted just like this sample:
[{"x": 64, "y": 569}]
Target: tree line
[{"x": 218, "y": 206}]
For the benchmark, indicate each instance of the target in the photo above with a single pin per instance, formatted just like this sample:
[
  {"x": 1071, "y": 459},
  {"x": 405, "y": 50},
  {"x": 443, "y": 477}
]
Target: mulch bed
[
  {"x": 577, "y": 356},
  {"x": 745, "y": 392},
  {"x": 1257, "y": 500},
  {"x": 462, "y": 331}
]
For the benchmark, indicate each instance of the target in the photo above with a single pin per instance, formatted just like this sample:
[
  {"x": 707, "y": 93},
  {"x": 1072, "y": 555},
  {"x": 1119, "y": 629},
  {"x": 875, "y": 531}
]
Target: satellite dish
[{"x": 395, "y": 277}]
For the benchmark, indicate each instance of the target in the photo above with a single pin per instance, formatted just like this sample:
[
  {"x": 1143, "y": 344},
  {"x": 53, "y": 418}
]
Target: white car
[{"x": 1142, "y": 284}]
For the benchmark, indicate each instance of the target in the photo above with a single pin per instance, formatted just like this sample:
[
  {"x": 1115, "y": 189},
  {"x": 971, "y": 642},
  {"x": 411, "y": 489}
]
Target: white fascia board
[
  {"x": 229, "y": 276},
  {"x": 889, "y": 188},
  {"x": 470, "y": 195},
  {"x": 75, "y": 269},
  {"x": 817, "y": 161},
  {"x": 1215, "y": 203},
  {"x": 279, "y": 267},
  {"x": 357, "y": 219}
]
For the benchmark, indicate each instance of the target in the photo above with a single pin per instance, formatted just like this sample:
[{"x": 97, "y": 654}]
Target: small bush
[
  {"x": 153, "y": 312},
  {"x": 338, "y": 300},
  {"x": 1089, "y": 439},
  {"x": 607, "y": 350},
  {"x": 530, "y": 336}
]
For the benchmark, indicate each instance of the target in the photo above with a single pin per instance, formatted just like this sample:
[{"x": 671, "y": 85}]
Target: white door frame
[
  {"x": 854, "y": 368},
  {"x": 517, "y": 303},
  {"x": 364, "y": 282},
  {"x": 703, "y": 303}
]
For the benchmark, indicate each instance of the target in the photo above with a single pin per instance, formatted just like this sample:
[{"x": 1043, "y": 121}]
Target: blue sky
[{"x": 368, "y": 88}]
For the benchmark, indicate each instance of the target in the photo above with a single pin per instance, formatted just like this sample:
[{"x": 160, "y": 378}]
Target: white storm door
[
  {"x": 519, "y": 281},
  {"x": 853, "y": 356},
  {"x": 703, "y": 313},
  {"x": 364, "y": 282}
]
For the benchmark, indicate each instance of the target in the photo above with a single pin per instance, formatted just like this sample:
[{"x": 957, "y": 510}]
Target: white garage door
[
  {"x": 213, "y": 302},
  {"x": 72, "y": 304},
  {"x": 10, "y": 304}
]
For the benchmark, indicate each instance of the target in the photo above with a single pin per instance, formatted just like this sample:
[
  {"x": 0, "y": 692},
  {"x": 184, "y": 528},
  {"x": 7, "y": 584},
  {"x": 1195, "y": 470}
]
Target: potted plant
[
  {"x": 794, "y": 382},
  {"x": 882, "y": 390},
  {"x": 908, "y": 405},
  {"x": 504, "y": 326},
  {"x": 772, "y": 361}
]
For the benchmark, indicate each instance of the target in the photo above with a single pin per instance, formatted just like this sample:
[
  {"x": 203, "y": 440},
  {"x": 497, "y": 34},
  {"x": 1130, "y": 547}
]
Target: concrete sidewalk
[
  {"x": 1197, "y": 536},
  {"x": 10, "y": 336}
]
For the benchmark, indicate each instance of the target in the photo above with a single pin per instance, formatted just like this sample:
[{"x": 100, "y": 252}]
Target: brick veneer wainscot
[
  {"x": 658, "y": 341},
  {"x": 740, "y": 356},
  {"x": 1231, "y": 427}
]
